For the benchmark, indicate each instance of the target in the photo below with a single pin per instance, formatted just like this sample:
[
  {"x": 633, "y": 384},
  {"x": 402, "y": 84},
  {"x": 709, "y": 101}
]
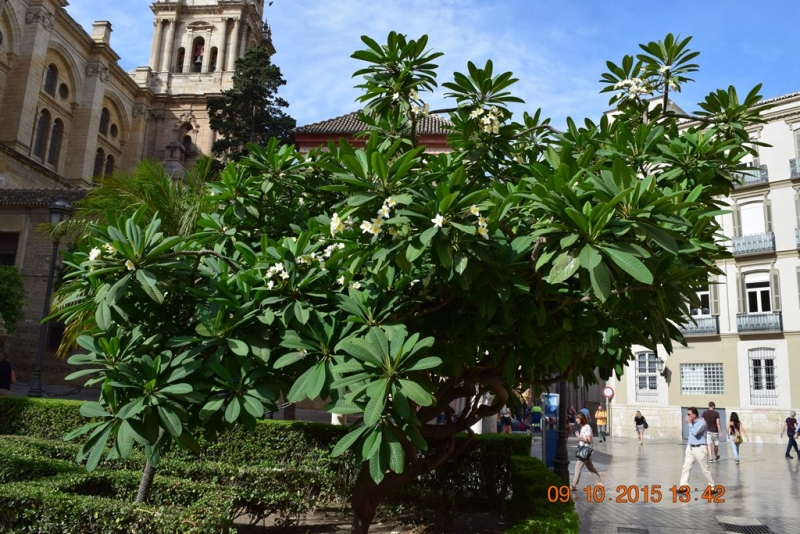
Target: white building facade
[{"x": 743, "y": 348}]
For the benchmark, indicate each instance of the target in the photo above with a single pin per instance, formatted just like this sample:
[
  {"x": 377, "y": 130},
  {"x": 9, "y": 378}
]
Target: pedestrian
[
  {"x": 711, "y": 417},
  {"x": 585, "y": 411},
  {"x": 735, "y": 431},
  {"x": 505, "y": 420},
  {"x": 7, "y": 375},
  {"x": 640, "y": 423},
  {"x": 696, "y": 449},
  {"x": 586, "y": 439},
  {"x": 571, "y": 417},
  {"x": 601, "y": 417},
  {"x": 790, "y": 427}
]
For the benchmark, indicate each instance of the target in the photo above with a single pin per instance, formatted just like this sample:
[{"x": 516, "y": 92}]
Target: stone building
[
  {"x": 70, "y": 113},
  {"x": 742, "y": 340}
]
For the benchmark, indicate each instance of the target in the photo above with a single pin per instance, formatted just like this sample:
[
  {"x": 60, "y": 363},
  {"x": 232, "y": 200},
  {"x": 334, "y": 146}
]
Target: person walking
[
  {"x": 505, "y": 420},
  {"x": 601, "y": 417},
  {"x": 735, "y": 431},
  {"x": 696, "y": 449},
  {"x": 711, "y": 417},
  {"x": 586, "y": 439},
  {"x": 571, "y": 417},
  {"x": 640, "y": 423},
  {"x": 7, "y": 375},
  {"x": 790, "y": 427}
]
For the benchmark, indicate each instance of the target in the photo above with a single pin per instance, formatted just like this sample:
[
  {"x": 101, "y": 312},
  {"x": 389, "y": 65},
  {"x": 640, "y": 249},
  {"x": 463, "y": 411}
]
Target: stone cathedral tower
[{"x": 195, "y": 47}]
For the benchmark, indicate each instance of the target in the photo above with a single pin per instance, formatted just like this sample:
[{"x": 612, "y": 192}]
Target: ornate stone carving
[
  {"x": 42, "y": 17},
  {"x": 98, "y": 70},
  {"x": 157, "y": 115},
  {"x": 142, "y": 111},
  {"x": 186, "y": 117}
]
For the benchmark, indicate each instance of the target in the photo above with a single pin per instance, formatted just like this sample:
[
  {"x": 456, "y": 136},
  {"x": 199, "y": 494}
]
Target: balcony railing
[
  {"x": 707, "y": 325},
  {"x": 794, "y": 168},
  {"x": 759, "y": 322},
  {"x": 754, "y": 244},
  {"x": 752, "y": 176}
]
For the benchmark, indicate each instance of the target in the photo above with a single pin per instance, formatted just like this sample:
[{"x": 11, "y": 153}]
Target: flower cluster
[
  {"x": 338, "y": 225},
  {"x": 633, "y": 86},
  {"x": 330, "y": 249},
  {"x": 490, "y": 121},
  {"x": 277, "y": 270},
  {"x": 483, "y": 229}
]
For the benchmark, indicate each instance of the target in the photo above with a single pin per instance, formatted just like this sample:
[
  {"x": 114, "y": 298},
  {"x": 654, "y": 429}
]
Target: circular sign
[{"x": 608, "y": 392}]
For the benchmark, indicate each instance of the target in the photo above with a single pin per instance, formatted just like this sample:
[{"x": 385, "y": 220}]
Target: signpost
[{"x": 608, "y": 392}]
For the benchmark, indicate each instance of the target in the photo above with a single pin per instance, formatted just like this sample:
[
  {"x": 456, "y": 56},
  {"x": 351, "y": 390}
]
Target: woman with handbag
[
  {"x": 583, "y": 456},
  {"x": 641, "y": 424},
  {"x": 735, "y": 431}
]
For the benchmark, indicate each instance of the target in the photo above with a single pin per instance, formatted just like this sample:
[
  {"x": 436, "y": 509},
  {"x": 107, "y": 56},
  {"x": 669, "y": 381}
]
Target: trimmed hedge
[
  {"x": 530, "y": 482},
  {"x": 70, "y": 503},
  {"x": 41, "y": 418}
]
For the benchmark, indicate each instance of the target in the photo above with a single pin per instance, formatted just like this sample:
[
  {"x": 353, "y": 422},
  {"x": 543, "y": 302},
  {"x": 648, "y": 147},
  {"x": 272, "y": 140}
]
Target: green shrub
[
  {"x": 71, "y": 503},
  {"x": 12, "y": 296},
  {"x": 42, "y": 418},
  {"x": 531, "y": 480},
  {"x": 566, "y": 524}
]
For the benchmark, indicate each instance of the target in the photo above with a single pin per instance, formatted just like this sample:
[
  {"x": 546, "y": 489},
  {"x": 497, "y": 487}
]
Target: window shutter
[
  {"x": 767, "y": 215},
  {"x": 740, "y": 292},
  {"x": 713, "y": 289},
  {"x": 737, "y": 221},
  {"x": 775, "y": 288}
]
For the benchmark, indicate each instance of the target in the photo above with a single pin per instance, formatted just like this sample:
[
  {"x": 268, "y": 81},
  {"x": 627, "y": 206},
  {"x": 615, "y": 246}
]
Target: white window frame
[
  {"x": 711, "y": 383},
  {"x": 761, "y": 362},
  {"x": 646, "y": 377}
]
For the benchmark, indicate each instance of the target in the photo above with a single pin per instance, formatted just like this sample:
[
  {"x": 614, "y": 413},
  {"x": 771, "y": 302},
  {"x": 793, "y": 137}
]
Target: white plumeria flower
[
  {"x": 336, "y": 224},
  {"x": 349, "y": 223},
  {"x": 394, "y": 233},
  {"x": 482, "y": 221},
  {"x": 129, "y": 264},
  {"x": 366, "y": 227},
  {"x": 413, "y": 94},
  {"x": 302, "y": 351},
  {"x": 438, "y": 220},
  {"x": 284, "y": 275},
  {"x": 663, "y": 69},
  {"x": 477, "y": 112},
  {"x": 474, "y": 210},
  {"x": 384, "y": 212},
  {"x": 110, "y": 248},
  {"x": 355, "y": 285},
  {"x": 94, "y": 254},
  {"x": 340, "y": 246},
  {"x": 270, "y": 284},
  {"x": 483, "y": 232},
  {"x": 390, "y": 202},
  {"x": 340, "y": 280},
  {"x": 395, "y": 96}
]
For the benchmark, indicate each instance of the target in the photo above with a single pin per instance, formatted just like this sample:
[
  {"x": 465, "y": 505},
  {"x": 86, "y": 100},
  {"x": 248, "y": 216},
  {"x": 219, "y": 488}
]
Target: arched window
[
  {"x": 212, "y": 60},
  {"x": 181, "y": 59},
  {"x": 55, "y": 142},
  {"x": 198, "y": 49},
  {"x": 109, "y": 165},
  {"x": 105, "y": 117},
  {"x": 99, "y": 158},
  {"x": 187, "y": 143},
  {"x": 42, "y": 133},
  {"x": 51, "y": 80}
]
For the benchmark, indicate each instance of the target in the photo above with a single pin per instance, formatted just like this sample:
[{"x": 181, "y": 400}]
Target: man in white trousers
[{"x": 696, "y": 450}]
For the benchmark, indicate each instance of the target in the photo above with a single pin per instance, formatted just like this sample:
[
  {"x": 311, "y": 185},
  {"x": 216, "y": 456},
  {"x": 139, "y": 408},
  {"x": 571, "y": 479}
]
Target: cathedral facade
[{"x": 69, "y": 114}]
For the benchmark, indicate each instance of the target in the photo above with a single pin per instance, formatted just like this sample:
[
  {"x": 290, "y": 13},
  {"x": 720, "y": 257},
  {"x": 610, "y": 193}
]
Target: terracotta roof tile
[
  {"x": 349, "y": 124},
  {"x": 38, "y": 197}
]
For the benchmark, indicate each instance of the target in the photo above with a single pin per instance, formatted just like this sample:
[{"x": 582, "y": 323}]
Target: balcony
[
  {"x": 754, "y": 244},
  {"x": 752, "y": 176},
  {"x": 794, "y": 168},
  {"x": 707, "y": 325},
  {"x": 759, "y": 322}
]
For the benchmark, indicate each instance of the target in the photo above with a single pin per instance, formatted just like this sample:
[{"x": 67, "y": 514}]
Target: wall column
[
  {"x": 222, "y": 42},
  {"x": 158, "y": 37},
  {"x": 166, "y": 55},
  {"x": 233, "y": 50},
  {"x": 206, "y": 51}
]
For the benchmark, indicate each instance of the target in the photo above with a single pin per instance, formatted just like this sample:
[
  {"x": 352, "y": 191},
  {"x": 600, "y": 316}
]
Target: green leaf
[
  {"x": 430, "y": 362},
  {"x": 396, "y": 455},
  {"x": 565, "y": 266},
  {"x": 238, "y": 347},
  {"x": 427, "y": 235},
  {"x": 461, "y": 261},
  {"x": 415, "y": 392},
  {"x": 374, "y": 410},
  {"x": 177, "y": 389},
  {"x": 630, "y": 264},
  {"x": 93, "y": 409},
  {"x": 233, "y": 410},
  {"x": 601, "y": 281},
  {"x": 148, "y": 281},
  {"x": 301, "y": 312},
  {"x": 589, "y": 257},
  {"x": 347, "y": 441},
  {"x": 170, "y": 420},
  {"x": 125, "y": 439},
  {"x": 376, "y": 471}
]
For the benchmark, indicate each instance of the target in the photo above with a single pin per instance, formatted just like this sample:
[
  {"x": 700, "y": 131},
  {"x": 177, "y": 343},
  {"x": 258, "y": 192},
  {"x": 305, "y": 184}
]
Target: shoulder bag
[{"x": 584, "y": 452}]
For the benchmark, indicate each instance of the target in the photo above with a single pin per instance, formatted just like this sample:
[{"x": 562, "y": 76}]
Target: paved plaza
[{"x": 761, "y": 494}]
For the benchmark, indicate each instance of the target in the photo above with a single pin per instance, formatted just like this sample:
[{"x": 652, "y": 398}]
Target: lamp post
[
  {"x": 60, "y": 211},
  {"x": 561, "y": 459}
]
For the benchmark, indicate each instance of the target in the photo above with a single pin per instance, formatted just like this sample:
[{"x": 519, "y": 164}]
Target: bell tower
[{"x": 193, "y": 56}]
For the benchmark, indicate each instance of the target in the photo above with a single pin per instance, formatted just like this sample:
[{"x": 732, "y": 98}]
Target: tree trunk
[
  {"x": 147, "y": 481},
  {"x": 367, "y": 496}
]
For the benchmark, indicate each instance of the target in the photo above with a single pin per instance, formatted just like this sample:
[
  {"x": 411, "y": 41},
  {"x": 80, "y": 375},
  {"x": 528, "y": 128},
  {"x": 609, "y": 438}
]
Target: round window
[
  {"x": 63, "y": 91},
  {"x": 114, "y": 131}
]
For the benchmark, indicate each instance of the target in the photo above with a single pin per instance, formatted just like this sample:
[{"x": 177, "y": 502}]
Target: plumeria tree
[{"x": 393, "y": 282}]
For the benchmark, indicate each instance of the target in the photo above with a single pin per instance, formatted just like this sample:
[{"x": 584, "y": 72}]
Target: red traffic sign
[{"x": 608, "y": 392}]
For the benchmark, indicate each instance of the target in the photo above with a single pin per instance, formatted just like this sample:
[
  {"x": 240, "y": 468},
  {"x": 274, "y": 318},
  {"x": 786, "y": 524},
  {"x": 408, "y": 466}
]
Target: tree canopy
[
  {"x": 251, "y": 111},
  {"x": 394, "y": 282}
]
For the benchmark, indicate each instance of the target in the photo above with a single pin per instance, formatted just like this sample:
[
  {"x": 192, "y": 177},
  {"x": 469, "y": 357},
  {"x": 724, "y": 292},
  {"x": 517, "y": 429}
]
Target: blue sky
[{"x": 557, "y": 50}]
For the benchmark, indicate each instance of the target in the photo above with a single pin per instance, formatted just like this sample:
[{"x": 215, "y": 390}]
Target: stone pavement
[{"x": 761, "y": 494}]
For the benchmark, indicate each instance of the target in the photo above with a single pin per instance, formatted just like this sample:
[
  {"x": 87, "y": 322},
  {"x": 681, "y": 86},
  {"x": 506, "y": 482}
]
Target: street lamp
[
  {"x": 661, "y": 370},
  {"x": 60, "y": 211}
]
